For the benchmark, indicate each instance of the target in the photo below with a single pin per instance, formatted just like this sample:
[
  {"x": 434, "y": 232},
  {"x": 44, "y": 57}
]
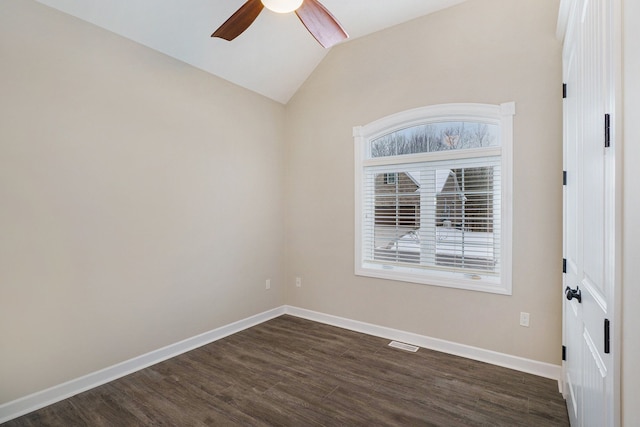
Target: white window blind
[{"x": 434, "y": 215}]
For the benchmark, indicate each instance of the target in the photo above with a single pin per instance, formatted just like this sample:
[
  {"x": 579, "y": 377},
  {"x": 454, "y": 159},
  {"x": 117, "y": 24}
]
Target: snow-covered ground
[{"x": 451, "y": 246}]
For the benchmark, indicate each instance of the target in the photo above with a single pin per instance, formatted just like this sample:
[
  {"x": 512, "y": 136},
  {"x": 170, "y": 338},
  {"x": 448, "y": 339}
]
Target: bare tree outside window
[{"x": 435, "y": 137}]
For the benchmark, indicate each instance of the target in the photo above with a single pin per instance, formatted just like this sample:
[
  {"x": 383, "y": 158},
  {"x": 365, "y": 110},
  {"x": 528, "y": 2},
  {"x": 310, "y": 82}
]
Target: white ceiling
[{"x": 273, "y": 57}]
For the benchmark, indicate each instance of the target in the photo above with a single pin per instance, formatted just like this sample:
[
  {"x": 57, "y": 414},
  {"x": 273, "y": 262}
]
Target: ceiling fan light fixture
[
  {"x": 322, "y": 25},
  {"x": 282, "y": 6}
]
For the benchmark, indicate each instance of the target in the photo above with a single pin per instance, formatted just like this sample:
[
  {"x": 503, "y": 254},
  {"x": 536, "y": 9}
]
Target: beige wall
[
  {"x": 140, "y": 200},
  {"x": 485, "y": 51},
  {"x": 631, "y": 218}
]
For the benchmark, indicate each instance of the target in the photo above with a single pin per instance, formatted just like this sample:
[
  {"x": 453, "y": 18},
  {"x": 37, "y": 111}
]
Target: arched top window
[{"x": 433, "y": 196}]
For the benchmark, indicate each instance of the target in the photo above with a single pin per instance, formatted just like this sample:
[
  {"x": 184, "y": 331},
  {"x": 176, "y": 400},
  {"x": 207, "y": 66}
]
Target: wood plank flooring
[{"x": 294, "y": 372}]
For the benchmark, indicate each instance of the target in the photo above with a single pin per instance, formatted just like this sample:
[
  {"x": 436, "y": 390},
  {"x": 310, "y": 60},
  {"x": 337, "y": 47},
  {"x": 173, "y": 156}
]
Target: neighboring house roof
[
  {"x": 444, "y": 175},
  {"x": 415, "y": 177}
]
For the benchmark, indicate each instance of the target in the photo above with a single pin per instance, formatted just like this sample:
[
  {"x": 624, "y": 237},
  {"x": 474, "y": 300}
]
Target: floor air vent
[{"x": 403, "y": 346}]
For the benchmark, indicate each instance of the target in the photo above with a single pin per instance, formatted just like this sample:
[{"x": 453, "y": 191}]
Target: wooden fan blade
[
  {"x": 239, "y": 21},
  {"x": 321, "y": 23}
]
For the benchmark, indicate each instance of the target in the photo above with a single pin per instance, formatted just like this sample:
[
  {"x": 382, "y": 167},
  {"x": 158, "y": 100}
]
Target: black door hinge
[
  {"x": 564, "y": 90},
  {"x": 564, "y": 352},
  {"x": 564, "y": 265},
  {"x": 607, "y": 130},
  {"x": 564, "y": 177},
  {"x": 607, "y": 336}
]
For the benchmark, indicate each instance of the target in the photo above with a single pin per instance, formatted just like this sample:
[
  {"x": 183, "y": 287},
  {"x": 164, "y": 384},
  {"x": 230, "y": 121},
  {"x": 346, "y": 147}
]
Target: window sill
[{"x": 489, "y": 284}]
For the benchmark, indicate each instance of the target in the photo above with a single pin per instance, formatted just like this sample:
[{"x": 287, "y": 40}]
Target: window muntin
[{"x": 433, "y": 191}]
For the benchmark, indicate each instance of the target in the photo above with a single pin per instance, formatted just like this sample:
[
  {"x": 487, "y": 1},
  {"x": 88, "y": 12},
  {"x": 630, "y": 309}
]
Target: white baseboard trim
[
  {"x": 529, "y": 366},
  {"x": 35, "y": 401}
]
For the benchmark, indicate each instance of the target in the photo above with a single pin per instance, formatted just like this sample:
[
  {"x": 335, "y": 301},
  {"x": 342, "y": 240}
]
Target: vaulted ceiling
[{"x": 273, "y": 57}]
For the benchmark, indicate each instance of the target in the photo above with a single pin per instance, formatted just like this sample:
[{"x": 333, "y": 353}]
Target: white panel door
[{"x": 588, "y": 215}]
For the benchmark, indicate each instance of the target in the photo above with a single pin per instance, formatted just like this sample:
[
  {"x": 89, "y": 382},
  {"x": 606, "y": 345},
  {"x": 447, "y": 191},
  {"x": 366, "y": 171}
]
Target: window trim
[{"x": 501, "y": 115}]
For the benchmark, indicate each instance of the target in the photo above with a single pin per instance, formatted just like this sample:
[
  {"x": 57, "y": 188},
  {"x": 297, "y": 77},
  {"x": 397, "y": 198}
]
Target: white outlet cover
[{"x": 524, "y": 319}]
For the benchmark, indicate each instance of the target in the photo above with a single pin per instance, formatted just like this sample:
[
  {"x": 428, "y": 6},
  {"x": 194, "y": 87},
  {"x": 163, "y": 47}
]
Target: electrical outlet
[
  {"x": 298, "y": 282},
  {"x": 524, "y": 319},
  {"x": 268, "y": 284}
]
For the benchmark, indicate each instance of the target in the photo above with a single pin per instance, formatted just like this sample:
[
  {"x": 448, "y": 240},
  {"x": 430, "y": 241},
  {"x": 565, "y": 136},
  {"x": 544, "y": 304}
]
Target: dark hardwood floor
[{"x": 294, "y": 372}]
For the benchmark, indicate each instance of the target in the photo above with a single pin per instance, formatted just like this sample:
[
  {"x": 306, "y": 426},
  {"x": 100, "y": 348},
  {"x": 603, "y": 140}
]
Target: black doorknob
[{"x": 573, "y": 293}]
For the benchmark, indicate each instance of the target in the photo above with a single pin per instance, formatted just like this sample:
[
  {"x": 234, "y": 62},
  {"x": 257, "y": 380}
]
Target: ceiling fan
[{"x": 314, "y": 16}]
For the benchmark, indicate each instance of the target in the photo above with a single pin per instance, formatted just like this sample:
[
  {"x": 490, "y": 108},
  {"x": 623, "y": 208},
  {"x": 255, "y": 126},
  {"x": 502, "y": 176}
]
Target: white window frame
[{"x": 501, "y": 115}]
